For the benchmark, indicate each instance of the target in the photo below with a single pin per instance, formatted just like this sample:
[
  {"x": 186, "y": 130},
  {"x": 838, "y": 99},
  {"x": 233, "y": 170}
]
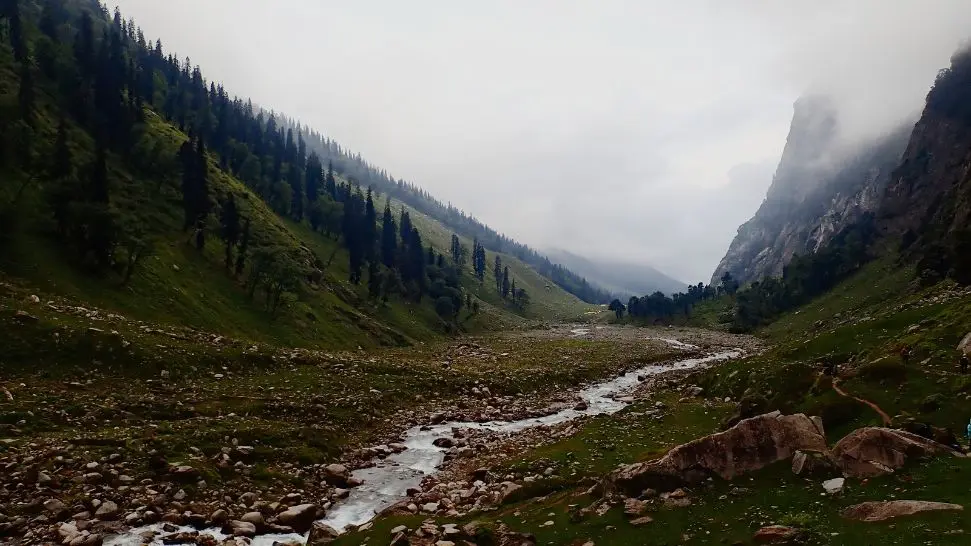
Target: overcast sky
[{"x": 640, "y": 130}]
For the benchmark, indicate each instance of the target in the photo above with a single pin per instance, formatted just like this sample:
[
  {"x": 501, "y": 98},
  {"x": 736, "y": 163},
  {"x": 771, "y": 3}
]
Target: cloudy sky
[{"x": 639, "y": 130}]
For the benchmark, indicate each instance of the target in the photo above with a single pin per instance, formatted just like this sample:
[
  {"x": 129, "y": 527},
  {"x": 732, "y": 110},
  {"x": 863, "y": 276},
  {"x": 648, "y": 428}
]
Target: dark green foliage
[
  {"x": 229, "y": 227},
  {"x": 389, "y": 237},
  {"x": 505, "y": 283},
  {"x": 618, "y": 308}
]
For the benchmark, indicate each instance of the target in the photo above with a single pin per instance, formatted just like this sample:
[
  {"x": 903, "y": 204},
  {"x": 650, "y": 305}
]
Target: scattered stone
[
  {"x": 641, "y": 521},
  {"x": 255, "y": 518},
  {"x": 336, "y": 474}
]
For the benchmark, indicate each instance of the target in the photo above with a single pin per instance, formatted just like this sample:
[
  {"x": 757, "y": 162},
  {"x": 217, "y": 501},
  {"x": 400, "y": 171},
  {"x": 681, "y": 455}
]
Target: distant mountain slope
[
  {"x": 356, "y": 168},
  {"x": 819, "y": 188},
  {"x": 620, "y": 278}
]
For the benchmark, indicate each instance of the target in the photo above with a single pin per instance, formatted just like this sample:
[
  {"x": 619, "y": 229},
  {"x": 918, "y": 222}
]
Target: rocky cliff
[
  {"x": 927, "y": 204},
  {"x": 821, "y": 185}
]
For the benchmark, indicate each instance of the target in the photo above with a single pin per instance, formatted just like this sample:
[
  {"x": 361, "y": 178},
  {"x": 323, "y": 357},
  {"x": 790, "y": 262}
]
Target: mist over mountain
[
  {"x": 620, "y": 278},
  {"x": 824, "y": 183}
]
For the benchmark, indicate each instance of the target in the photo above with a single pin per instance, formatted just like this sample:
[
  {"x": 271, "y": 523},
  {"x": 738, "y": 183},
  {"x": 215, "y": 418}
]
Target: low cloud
[{"x": 633, "y": 130}]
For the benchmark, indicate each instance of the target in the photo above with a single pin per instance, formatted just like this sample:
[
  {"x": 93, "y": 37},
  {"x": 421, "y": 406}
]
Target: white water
[{"x": 387, "y": 482}]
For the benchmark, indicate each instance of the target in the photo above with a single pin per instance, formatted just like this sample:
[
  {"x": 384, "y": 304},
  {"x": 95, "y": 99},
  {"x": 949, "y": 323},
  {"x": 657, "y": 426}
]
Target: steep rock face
[
  {"x": 928, "y": 199},
  {"x": 819, "y": 188}
]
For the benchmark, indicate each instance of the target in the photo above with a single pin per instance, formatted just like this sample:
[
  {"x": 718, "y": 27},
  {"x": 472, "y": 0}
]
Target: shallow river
[{"x": 386, "y": 483}]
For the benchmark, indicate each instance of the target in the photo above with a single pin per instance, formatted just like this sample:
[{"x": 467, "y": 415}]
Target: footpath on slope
[{"x": 883, "y": 415}]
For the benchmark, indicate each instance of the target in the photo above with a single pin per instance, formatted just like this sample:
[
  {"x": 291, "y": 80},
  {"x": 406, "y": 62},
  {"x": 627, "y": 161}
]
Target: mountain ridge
[{"x": 622, "y": 279}]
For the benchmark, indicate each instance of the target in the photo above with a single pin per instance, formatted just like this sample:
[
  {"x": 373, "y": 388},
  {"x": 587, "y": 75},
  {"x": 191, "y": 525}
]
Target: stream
[{"x": 387, "y": 482}]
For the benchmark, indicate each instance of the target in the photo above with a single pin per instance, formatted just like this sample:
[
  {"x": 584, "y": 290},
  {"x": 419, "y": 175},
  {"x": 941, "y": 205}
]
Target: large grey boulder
[
  {"x": 879, "y": 511},
  {"x": 873, "y": 451},
  {"x": 750, "y": 445}
]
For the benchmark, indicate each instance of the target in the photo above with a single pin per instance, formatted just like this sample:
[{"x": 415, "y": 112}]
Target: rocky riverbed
[{"x": 88, "y": 453}]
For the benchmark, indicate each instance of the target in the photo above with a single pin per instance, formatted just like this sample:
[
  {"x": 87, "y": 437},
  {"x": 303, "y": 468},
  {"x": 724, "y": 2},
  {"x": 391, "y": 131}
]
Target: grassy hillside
[{"x": 176, "y": 284}]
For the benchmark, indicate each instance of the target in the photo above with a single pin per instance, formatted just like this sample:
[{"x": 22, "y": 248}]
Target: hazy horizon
[{"x": 643, "y": 132}]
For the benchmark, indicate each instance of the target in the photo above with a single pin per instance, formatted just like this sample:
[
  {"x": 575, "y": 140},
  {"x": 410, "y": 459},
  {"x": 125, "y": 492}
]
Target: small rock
[
  {"x": 834, "y": 485},
  {"x": 775, "y": 534},
  {"x": 107, "y": 511}
]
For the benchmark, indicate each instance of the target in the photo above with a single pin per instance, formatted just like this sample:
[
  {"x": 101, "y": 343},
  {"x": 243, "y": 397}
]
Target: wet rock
[
  {"x": 880, "y": 511},
  {"x": 255, "y": 518},
  {"x": 321, "y": 534},
  {"x": 775, "y": 534},
  {"x": 300, "y": 517},
  {"x": 336, "y": 474},
  {"x": 444, "y": 442},
  {"x": 750, "y": 445},
  {"x": 873, "y": 451},
  {"x": 581, "y": 406},
  {"x": 241, "y": 529}
]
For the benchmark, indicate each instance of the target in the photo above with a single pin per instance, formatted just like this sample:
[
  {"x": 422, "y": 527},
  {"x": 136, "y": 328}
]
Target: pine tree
[
  {"x": 330, "y": 183},
  {"x": 431, "y": 255},
  {"x": 417, "y": 262},
  {"x": 16, "y": 26},
  {"x": 505, "y": 283},
  {"x": 61, "y": 161},
  {"x": 374, "y": 280},
  {"x": 389, "y": 237},
  {"x": 229, "y": 220},
  {"x": 497, "y": 272},
  {"x": 25, "y": 94},
  {"x": 186, "y": 155},
  {"x": 243, "y": 247},
  {"x": 370, "y": 228}
]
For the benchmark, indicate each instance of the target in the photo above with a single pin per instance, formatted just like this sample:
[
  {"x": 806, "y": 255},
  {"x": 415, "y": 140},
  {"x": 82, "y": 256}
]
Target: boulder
[
  {"x": 241, "y": 529},
  {"x": 321, "y": 534},
  {"x": 508, "y": 490},
  {"x": 834, "y": 485},
  {"x": 965, "y": 345},
  {"x": 300, "y": 517},
  {"x": 255, "y": 518},
  {"x": 873, "y": 451},
  {"x": 107, "y": 511},
  {"x": 750, "y": 445},
  {"x": 775, "y": 534},
  {"x": 807, "y": 463},
  {"x": 336, "y": 474},
  {"x": 882, "y": 510},
  {"x": 219, "y": 517}
]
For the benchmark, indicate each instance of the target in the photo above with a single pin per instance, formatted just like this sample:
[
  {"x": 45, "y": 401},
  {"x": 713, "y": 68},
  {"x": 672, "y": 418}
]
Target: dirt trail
[{"x": 876, "y": 408}]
